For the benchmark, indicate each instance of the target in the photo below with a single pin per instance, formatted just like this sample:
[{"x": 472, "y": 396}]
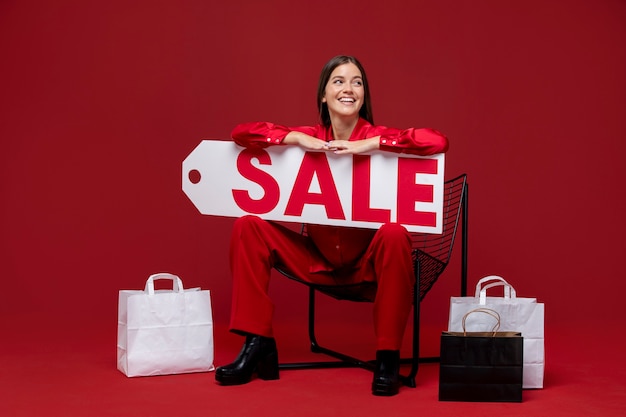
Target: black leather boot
[
  {"x": 387, "y": 373},
  {"x": 259, "y": 354}
]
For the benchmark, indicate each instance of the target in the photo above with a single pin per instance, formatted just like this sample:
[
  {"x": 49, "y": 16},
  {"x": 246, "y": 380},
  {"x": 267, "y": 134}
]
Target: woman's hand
[
  {"x": 305, "y": 141},
  {"x": 341, "y": 147}
]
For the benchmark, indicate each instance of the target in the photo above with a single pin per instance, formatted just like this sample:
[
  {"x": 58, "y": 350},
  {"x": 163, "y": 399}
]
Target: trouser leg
[
  {"x": 256, "y": 247},
  {"x": 389, "y": 255}
]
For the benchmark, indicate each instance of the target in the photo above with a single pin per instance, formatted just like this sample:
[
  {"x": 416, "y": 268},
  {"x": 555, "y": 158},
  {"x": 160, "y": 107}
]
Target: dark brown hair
[{"x": 366, "y": 109}]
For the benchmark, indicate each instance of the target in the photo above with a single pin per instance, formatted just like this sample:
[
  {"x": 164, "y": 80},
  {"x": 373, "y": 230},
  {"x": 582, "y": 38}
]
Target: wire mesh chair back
[{"x": 432, "y": 252}]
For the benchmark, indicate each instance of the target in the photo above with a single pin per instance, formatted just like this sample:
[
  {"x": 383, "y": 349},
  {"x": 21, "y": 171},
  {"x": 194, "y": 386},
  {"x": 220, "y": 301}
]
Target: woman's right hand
[{"x": 304, "y": 141}]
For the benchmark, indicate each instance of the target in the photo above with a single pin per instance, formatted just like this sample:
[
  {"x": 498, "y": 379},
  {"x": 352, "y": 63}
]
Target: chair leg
[
  {"x": 409, "y": 380},
  {"x": 346, "y": 361},
  {"x": 314, "y": 345}
]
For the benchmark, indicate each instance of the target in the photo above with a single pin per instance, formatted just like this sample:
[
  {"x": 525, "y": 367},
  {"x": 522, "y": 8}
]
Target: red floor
[{"x": 68, "y": 369}]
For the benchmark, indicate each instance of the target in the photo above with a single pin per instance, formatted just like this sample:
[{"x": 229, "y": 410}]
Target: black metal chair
[{"x": 431, "y": 255}]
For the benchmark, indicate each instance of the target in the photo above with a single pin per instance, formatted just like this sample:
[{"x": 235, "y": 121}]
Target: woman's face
[{"x": 344, "y": 93}]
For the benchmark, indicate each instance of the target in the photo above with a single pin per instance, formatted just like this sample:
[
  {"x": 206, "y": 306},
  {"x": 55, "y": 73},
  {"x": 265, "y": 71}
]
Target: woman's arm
[
  {"x": 258, "y": 134},
  {"x": 341, "y": 147},
  {"x": 413, "y": 141},
  {"x": 305, "y": 141},
  {"x": 263, "y": 134},
  {"x": 367, "y": 137}
]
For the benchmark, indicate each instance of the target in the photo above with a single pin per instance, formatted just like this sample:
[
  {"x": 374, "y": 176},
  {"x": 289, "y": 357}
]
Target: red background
[{"x": 102, "y": 101}]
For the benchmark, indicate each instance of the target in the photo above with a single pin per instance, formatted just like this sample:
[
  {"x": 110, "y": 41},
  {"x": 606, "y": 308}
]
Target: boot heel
[
  {"x": 386, "y": 373},
  {"x": 258, "y": 354},
  {"x": 267, "y": 368}
]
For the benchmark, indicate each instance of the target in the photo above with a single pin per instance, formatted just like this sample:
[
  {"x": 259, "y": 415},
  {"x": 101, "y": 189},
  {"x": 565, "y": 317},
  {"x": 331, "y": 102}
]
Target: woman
[{"x": 329, "y": 254}]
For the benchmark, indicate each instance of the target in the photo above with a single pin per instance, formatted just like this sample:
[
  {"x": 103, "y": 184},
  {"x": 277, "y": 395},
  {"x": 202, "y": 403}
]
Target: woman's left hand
[{"x": 341, "y": 147}]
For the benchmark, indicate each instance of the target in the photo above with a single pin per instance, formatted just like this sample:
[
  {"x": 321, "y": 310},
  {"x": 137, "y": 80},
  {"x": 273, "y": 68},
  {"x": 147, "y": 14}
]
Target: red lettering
[
  {"x": 315, "y": 163},
  {"x": 409, "y": 192},
  {"x": 270, "y": 187},
  {"x": 361, "y": 187}
]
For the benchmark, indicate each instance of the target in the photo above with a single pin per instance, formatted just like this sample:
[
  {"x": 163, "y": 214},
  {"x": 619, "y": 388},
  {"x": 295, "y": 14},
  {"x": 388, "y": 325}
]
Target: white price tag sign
[{"x": 287, "y": 183}]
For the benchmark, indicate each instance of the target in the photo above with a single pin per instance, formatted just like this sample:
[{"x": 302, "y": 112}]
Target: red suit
[{"x": 329, "y": 254}]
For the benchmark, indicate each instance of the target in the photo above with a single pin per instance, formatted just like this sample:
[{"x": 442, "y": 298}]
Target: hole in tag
[{"x": 194, "y": 176}]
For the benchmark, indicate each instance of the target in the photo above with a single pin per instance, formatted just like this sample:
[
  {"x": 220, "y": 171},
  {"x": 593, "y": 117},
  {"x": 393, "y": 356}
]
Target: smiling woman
[
  {"x": 328, "y": 254},
  {"x": 333, "y": 82},
  {"x": 343, "y": 96}
]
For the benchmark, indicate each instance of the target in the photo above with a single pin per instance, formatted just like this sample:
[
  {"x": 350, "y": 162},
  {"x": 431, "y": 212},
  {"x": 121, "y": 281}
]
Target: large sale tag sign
[{"x": 287, "y": 183}]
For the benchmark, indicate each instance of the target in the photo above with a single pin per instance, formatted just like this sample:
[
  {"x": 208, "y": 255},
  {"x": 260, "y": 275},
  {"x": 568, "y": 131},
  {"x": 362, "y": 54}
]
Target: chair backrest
[{"x": 432, "y": 252}]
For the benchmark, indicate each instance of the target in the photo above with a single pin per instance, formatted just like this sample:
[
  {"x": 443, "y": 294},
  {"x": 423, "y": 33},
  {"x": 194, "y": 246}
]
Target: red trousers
[{"x": 258, "y": 245}]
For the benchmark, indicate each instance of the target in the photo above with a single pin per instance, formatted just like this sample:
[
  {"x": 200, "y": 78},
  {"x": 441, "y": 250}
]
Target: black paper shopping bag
[{"x": 481, "y": 366}]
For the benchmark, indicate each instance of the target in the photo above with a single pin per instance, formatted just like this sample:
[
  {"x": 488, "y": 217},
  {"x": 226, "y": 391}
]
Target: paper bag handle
[
  {"x": 492, "y": 313},
  {"x": 177, "y": 283},
  {"x": 481, "y": 291},
  {"x": 479, "y": 285}
]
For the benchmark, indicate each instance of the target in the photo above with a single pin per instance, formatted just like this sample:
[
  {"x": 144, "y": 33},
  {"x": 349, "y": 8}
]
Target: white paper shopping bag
[
  {"x": 524, "y": 315},
  {"x": 165, "y": 331}
]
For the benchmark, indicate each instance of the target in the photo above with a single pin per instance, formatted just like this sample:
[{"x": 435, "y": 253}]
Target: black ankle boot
[
  {"x": 259, "y": 354},
  {"x": 387, "y": 373}
]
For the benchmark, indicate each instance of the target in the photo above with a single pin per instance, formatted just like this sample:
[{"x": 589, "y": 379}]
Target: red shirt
[
  {"x": 413, "y": 141},
  {"x": 343, "y": 246}
]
